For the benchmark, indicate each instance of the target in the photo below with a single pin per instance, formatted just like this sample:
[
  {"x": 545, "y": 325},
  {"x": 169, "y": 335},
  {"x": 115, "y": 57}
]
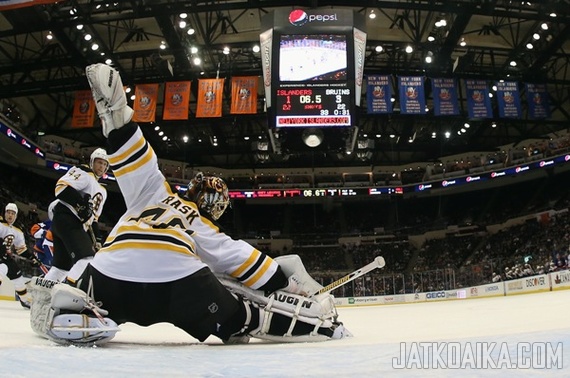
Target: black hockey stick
[{"x": 377, "y": 263}]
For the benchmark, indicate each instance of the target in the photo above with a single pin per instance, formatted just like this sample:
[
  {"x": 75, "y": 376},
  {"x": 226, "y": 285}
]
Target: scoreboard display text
[
  {"x": 313, "y": 106},
  {"x": 314, "y": 86}
]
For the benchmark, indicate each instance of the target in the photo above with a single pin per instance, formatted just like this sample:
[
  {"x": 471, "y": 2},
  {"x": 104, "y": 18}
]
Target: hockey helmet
[
  {"x": 210, "y": 193},
  {"x": 99, "y": 153},
  {"x": 8, "y": 215},
  {"x": 13, "y": 207}
]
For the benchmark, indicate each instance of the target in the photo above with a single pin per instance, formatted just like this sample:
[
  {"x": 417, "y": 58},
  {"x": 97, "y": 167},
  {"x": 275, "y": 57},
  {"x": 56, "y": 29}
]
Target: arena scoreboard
[{"x": 312, "y": 66}]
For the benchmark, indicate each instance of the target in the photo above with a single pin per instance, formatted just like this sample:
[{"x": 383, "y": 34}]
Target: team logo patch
[
  {"x": 478, "y": 96},
  {"x": 8, "y": 241},
  {"x": 298, "y": 17},
  {"x": 144, "y": 101},
  {"x": 176, "y": 99},
  {"x": 411, "y": 93},
  {"x": 445, "y": 94},
  {"x": 244, "y": 93},
  {"x": 84, "y": 107},
  {"x": 209, "y": 96},
  {"x": 213, "y": 307},
  {"x": 378, "y": 92}
]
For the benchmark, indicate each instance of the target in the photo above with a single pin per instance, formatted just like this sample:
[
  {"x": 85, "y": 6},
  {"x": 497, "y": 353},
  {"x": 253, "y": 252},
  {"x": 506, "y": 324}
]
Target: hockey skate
[{"x": 109, "y": 96}]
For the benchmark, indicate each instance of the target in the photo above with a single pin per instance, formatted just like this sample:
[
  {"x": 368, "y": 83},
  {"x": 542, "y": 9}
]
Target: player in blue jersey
[{"x": 43, "y": 245}]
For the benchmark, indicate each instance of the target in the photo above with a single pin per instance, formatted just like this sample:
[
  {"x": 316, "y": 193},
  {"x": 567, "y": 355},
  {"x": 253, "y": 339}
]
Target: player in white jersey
[
  {"x": 79, "y": 202},
  {"x": 12, "y": 241},
  {"x": 158, "y": 262}
]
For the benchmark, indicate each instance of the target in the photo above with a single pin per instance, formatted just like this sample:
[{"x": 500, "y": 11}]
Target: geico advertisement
[{"x": 435, "y": 295}]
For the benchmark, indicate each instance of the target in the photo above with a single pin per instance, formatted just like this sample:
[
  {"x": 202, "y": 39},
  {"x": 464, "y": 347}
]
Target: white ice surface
[{"x": 164, "y": 351}]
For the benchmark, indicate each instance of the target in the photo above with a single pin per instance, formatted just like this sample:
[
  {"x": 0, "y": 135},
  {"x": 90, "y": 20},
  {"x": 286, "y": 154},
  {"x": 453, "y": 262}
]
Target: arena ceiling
[{"x": 480, "y": 40}]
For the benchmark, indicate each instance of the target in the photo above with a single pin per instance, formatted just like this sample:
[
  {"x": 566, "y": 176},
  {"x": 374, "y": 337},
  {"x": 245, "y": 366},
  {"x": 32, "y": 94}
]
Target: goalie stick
[
  {"x": 43, "y": 268},
  {"x": 377, "y": 263}
]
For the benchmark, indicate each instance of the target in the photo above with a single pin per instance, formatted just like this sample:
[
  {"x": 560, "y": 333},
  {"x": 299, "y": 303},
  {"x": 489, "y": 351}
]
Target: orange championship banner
[
  {"x": 14, "y": 4},
  {"x": 210, "y": 93},
  {"x": 145, "y": 102},
  {"x": 244, "y": 95},
  {"x": 176, "y": 100},
  {"x": 83, "y": 110}
]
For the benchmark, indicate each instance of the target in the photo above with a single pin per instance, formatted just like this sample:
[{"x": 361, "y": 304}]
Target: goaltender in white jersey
[
  {"x": 157, "y": 263},
  {"x": 160, "y": 224}
]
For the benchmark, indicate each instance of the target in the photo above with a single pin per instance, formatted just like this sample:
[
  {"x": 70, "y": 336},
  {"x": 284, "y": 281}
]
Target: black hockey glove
[
  {"x": 84, "y": 208},
  {"x": 31, "y": 258},
  {"x": 35, "y": 261}
]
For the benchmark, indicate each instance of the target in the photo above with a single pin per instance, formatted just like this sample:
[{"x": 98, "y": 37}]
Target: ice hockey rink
[{"x": 530, "y": 323}]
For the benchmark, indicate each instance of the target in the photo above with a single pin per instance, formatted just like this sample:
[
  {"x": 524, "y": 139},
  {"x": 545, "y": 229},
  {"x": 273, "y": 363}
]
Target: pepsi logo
[{"x": 298, "y": 17}]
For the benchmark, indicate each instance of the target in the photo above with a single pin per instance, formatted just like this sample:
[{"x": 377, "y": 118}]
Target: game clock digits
[{"x": 313, "y": 88}]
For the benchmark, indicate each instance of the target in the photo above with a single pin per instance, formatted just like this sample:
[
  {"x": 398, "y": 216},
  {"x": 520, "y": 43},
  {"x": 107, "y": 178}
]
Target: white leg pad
[
  {"x": 41, "y": 313},
  {"x": 319, "y": 311},
  {"x": 50, "y": 299}
]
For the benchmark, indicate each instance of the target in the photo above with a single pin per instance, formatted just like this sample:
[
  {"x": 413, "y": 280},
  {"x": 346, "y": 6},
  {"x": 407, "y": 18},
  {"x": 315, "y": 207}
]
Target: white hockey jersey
[
  {"x": 162, "y": 237},
  {"x": 82, "y": 179},
  {"x": 12, "y": 236}
]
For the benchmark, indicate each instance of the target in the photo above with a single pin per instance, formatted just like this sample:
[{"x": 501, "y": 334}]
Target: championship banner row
[
  {"x": 177, "y": 100},
  {"x": 445, "y": 97},
  {"x": 378, "y": 95}
]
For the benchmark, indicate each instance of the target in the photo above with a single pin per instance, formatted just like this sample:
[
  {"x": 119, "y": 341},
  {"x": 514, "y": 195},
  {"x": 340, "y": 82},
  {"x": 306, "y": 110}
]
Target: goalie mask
[
  {"x": 210, "y": 193},
  {"x": 99, "y": 153}
]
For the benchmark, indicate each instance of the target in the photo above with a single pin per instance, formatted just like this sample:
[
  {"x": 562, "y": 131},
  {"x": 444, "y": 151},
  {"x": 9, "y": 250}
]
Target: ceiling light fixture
[{"x": 313, "y": 137}]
